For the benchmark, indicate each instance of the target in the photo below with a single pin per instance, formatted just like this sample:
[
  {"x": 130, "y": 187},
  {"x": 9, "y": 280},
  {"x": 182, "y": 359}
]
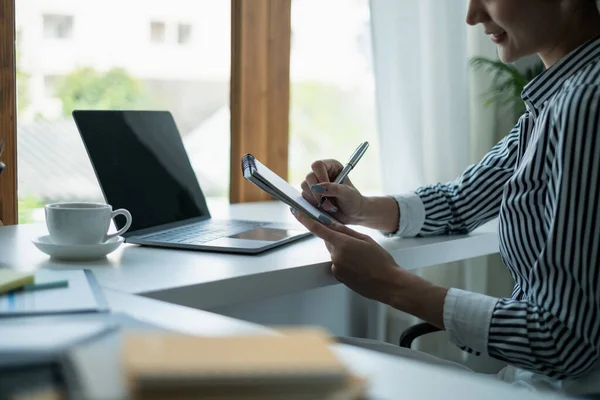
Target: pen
[
  {"x": 354, "y": 158},
  {"x": 46, "y": 285}
]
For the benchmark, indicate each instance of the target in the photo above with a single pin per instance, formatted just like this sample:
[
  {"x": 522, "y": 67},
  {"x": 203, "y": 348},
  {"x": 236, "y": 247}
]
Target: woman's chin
[{"x": 506, "y": 54}]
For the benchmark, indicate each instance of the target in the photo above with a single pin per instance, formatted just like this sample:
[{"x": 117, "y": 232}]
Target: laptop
[{"x": 142, "y": 166}]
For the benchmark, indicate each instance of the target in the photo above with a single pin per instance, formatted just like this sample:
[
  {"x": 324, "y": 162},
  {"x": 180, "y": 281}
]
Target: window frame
[
  {"x": 260, "y": 90},
  {"x": 8, "y": 112}
]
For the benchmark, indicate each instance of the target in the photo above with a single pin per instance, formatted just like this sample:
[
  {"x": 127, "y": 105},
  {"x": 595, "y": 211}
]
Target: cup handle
[{"x": 127, "y": 216}]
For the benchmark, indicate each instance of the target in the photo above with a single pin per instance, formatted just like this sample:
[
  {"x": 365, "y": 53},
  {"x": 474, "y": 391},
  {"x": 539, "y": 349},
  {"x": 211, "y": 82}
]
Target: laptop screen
[{"x": 141, "y": 164}]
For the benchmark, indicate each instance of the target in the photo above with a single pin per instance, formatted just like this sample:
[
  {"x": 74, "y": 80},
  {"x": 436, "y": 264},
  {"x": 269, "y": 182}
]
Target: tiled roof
[{"x": 54, "y": 166}]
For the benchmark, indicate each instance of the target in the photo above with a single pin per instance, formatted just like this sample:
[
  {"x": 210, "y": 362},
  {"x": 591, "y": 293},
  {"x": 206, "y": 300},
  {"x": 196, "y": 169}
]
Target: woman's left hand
[{"x": 358, "y": 261}]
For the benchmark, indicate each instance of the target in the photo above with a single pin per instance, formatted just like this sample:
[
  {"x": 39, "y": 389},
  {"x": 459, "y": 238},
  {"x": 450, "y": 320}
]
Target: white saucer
[{"x": 79, "y": 252}]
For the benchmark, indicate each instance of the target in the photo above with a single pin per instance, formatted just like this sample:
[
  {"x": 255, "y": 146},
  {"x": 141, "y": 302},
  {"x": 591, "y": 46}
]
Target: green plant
[
  {"x": 507, "y": 82},
  {"x": 86, "y": 88},
  {"x": 27, "y": 206}
]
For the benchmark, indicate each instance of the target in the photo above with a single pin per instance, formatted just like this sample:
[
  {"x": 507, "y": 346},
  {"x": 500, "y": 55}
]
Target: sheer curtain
[{"x": 432, "y": 123}]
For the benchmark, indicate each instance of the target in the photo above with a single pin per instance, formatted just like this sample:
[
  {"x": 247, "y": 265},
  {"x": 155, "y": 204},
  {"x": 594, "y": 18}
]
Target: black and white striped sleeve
[
  {"x": 465, "y": 203},
  {"x": 555, "y": 329}
]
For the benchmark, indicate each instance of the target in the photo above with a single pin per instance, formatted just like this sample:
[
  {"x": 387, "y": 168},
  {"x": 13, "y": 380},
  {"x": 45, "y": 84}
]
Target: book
[{"x": 297, "y": 365}]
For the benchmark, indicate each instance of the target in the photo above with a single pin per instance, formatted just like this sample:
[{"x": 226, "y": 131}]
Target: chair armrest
[{"x": 414, "y": 332}]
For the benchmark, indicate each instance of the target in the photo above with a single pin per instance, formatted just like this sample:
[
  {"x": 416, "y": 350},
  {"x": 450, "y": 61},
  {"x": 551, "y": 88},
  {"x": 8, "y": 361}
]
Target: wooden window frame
[
  {"x": 260, "y": 90},
  {"x": 8, "y": 113}
]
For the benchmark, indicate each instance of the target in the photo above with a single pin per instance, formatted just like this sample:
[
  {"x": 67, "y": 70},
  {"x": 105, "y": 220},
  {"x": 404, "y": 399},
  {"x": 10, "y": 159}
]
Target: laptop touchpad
[
  {"x": 266, "y": 234},
  {"x": 255, "y": 238}
]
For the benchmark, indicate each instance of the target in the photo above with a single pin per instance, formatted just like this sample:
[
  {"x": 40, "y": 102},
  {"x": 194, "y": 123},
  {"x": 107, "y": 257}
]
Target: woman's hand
[
  {"x": 349, "y": 203},
  {"x": 358, "y": 261},
  {"x": 368, "y": 269},
  {"x": 351, "y": 207}
]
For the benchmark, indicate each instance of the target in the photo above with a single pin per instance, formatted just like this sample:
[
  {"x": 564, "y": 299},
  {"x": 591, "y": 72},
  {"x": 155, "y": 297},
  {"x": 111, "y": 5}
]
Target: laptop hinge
[{"x": 164, "y": 227}]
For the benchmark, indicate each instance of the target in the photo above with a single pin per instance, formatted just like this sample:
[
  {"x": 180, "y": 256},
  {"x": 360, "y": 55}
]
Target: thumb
[
  {"x": 348, "y": 231},
  {"x": 320, "y": 230}
]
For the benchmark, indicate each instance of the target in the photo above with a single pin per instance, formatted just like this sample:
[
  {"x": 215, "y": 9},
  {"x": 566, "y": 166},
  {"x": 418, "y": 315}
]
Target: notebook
[
  {"x": 257, "y": 173},
  {"x": 82, "y": 295}
]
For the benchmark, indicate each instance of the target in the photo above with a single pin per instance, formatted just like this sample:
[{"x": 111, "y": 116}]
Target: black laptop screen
[{"x": 141, "y": 164}]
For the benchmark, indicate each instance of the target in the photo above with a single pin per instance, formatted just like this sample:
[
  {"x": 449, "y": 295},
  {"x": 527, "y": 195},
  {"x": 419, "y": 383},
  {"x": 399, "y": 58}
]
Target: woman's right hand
[{"x": 348, "y": 204}]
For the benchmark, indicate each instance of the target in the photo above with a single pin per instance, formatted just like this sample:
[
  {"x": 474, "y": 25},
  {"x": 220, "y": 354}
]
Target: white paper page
[{"x": 292, "y": 193}]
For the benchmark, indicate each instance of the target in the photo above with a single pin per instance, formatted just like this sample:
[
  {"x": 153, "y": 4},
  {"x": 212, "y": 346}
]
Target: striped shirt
[{"x": 542, "y": 181}]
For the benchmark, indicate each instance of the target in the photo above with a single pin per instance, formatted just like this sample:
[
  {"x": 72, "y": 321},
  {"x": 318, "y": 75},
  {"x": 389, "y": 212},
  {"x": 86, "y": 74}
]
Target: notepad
[
  {"x": 257, "y": 173},
  {"x": 12, "y": 280}
]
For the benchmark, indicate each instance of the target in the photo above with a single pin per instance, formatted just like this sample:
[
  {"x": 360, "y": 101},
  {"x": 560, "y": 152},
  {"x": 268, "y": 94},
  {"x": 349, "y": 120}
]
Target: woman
[{"x": 543, "y": 183}]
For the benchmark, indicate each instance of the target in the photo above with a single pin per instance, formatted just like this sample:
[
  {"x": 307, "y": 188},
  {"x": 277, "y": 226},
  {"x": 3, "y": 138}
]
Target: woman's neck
[{"x": 573, "y": 35}]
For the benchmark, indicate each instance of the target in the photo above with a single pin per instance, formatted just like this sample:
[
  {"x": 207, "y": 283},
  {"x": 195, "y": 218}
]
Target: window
[
  {"x": 157, "y": 32},
  {"x": 58, "y": 26},
  {"x": 184, "y": 33},
  {"x": 111, "y": 67},
  {"x": 51, "y": 83},
  {"x": 332, "y": 97}
]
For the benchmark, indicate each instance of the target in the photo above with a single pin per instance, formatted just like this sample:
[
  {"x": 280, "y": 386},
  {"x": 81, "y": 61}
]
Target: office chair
[{"x": 413, "y": 332}]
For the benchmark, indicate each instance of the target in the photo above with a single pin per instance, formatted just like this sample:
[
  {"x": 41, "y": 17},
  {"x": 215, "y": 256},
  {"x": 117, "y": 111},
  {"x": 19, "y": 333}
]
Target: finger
[
  {"x": 320, "y": 170},
  {"x": 311, "y": 180},
  {"x": 330, "y": 189},
  {"x": 307, "y": 194},
  {"x": 318, "y": 229},
  {"x": 305, "y": 188},
  {"x": 329, "y": 206},
  {"x": 333, "y": 168},
  {"x": 348, "y": 231},
  {"x": 310, "y": 198},
  {"x": 337, "y": 273}
]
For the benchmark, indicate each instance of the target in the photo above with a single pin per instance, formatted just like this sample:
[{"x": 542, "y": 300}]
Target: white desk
[
  {"x": 389, "y": 377},
  {"x": 201, "y": 278},
  {"x": 218, "y": 281}
]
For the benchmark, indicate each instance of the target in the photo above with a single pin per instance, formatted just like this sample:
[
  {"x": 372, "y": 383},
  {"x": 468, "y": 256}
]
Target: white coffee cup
[{"x": 82, "y": 223}]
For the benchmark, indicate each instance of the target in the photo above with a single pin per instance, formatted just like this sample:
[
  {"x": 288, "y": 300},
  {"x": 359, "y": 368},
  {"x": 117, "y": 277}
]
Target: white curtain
[{"x": 432, "y": 123}]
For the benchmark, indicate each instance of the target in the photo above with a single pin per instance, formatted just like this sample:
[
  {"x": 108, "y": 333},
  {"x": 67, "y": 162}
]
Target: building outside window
[
  {"x": 184, "y": 33},
  {"x": 58, "y": 26},
  {"x": 157, "y": 32}
]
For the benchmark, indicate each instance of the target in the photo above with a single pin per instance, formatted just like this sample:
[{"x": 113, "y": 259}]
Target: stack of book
[{"x": 294, "y": 365}]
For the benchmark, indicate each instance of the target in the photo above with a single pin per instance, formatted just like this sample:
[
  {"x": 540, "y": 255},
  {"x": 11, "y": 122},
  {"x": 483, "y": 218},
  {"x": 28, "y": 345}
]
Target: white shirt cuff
[
  {"x": 412, "y": 215},
  {"x": 467, "y": 318}
]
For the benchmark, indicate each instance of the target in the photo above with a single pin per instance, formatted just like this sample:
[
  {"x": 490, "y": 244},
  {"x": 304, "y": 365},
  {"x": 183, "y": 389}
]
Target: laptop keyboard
[{"x": 203, "y": 232}]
